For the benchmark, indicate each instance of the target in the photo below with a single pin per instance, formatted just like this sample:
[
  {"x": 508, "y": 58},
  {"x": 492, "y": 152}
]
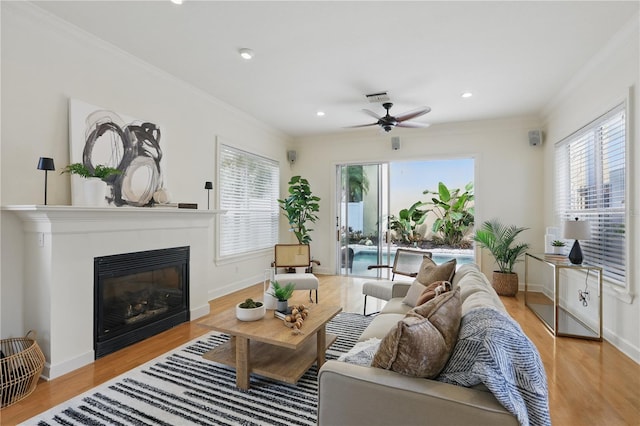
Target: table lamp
[
  {"x": 208, "y": 186},
  {"x": 576, "y": 230},
  {"x": 46, "y": 164}
]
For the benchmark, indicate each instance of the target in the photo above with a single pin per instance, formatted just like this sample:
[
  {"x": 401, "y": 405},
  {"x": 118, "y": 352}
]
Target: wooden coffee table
[{"x": 268, "y": 347}]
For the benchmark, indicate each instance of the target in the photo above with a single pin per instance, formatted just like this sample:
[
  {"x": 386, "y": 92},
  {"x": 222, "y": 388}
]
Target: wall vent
[{"x": 378, "y": 97}]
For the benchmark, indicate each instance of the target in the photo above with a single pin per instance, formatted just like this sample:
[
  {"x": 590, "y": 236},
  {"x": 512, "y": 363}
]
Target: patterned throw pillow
[{"x": 420, "y": 345}]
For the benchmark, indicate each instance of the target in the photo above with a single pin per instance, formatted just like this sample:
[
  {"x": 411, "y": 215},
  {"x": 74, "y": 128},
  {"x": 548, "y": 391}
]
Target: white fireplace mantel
[{"x": 60, "y": 244}]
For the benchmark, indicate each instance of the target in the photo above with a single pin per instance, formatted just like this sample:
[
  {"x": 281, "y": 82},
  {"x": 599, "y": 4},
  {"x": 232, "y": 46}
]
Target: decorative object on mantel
[
  {"x": 576, "y": 230},
  {"x": 208, "y": 186},
  {"x": 162, "y": 196},
  {"x": 100, "y": 136},
  {"x": 46, "y": 164},
  {"x": 95, "y": 185}
]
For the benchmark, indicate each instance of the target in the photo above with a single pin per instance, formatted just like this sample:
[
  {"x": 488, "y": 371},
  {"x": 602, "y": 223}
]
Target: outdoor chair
[
  {"x": 407, "y": 263},
  {"x": 291, "y": 258}
]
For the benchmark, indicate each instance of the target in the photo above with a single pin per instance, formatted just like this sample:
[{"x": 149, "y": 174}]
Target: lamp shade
[
  {"x": 208, "y": 185},
  {"x": 577, "y": 230},
  {"x": 46, "y": 163}
]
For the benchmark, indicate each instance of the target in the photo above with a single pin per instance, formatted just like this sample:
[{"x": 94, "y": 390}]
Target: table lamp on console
[{"x": 576, "y": 230}]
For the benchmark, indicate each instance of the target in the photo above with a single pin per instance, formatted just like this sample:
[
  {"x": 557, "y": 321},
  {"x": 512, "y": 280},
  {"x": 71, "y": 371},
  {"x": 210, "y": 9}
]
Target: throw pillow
[
  {"x": 362, "y": 353},
  {"x": 414, "y": 293},
  {"x": 433, "y": 290},
  {"x": 420, "y": 345},
  {"x": 430, "y": 271}
]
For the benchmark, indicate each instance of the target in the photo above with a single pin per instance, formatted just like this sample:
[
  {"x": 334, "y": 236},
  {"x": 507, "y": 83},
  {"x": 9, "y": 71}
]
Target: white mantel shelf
[
  {"x": 41, "y": 218},
  {"x": 59, "y": 245}
]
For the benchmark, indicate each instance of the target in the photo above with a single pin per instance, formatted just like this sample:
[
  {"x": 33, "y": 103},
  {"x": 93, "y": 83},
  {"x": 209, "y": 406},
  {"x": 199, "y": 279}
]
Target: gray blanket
[{"x": 492, "y": 349}]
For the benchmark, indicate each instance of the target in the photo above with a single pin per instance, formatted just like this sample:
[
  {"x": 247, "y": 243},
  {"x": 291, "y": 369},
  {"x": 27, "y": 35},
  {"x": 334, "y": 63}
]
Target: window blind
[
  {"x": 590, "y": 185},
  {"x": 249, "y": 186}
]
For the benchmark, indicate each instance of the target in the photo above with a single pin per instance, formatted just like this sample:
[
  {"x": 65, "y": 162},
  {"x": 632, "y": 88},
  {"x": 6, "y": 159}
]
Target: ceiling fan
[{"x": 388, "y": 122}]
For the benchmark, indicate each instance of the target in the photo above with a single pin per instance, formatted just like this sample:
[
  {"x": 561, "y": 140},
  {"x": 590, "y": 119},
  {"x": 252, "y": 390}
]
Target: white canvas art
[{"x": 99, "y": 136}]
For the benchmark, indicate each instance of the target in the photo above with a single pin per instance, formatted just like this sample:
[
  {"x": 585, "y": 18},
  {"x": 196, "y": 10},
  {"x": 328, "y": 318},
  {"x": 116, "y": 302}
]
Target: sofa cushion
[
  {"x": 420, "y": 344},
  {"x": 380, "y": 326},
  {"x": 430, "y": 271}
]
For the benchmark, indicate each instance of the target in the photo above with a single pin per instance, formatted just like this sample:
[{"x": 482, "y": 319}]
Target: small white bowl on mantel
[{"x": 250, "y": 314}]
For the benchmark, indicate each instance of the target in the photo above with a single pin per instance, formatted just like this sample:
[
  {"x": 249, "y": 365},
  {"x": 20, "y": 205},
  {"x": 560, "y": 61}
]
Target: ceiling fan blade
[
  {"x": 414, "y": 125},
  {"x": 371, "y": 113},
  {"x": 361, "y": 125},
  {"x": 413, "y": 114}
]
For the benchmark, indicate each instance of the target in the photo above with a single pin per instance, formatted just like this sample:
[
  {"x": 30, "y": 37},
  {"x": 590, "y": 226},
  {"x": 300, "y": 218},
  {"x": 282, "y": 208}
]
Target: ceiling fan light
[
  {"x": 466, "y": 95},
  {"x": 320, "y": 113},
  {"x": 246, "y": 54}
]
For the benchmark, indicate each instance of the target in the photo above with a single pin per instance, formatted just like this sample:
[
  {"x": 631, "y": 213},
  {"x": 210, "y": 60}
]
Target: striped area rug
[{"x": 182, "y": 388}]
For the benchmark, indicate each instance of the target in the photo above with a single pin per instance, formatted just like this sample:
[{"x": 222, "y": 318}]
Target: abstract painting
[{"x": 99, "y": 136}]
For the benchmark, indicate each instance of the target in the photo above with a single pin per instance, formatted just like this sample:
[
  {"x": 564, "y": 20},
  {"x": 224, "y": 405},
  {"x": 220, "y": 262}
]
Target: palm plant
[{"x": 499, "y": 239}]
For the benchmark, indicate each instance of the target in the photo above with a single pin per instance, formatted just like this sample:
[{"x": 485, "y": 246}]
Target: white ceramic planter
[
  {"x": 250, "y": 314},
  {"x": 95, "y": 192}
]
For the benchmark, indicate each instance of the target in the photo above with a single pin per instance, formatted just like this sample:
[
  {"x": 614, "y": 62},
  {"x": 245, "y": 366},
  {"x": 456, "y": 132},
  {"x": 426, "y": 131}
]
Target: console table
[{"x": 567, "y": 298}]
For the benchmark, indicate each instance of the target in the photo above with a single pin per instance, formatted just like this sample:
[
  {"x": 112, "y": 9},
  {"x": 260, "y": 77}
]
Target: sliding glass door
[{"x": 363, "y": 200}]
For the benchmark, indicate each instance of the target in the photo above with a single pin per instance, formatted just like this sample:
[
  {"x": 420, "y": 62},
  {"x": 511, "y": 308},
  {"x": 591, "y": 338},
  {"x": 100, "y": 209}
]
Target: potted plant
[
  {"x": 250, "y": 310},
  {"x": 95, "y": 184},
  {"x": 557, "y": 246},
  {"x": 282, "y": 294},
  {"x": 500, "y": 239},
  {"x": 300, "y": 207}
]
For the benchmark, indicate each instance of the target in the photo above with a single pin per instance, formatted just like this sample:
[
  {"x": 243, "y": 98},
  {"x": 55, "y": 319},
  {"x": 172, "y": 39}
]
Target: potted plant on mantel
[
  {"x": 282, "y": 294},
  {"x": 500, "y": 241},
  {"x": 95, "y": 184}
]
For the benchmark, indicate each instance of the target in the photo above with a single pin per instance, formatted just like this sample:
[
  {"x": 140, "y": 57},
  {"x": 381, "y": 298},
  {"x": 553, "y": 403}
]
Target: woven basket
[
  {"x": 21, "y": 363},
  {"x": 505, "y": 284}
]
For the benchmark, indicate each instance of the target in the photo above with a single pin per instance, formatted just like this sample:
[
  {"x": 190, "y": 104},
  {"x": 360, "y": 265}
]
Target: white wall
[
  {"x": 44, "y": 63},
  {"x": 611, "y": 77},
  {"x": 507, "y": 179}
]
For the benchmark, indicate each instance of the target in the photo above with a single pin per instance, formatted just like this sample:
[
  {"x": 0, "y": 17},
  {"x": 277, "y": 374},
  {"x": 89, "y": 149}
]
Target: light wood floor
[{"x": 590, "y": 383}]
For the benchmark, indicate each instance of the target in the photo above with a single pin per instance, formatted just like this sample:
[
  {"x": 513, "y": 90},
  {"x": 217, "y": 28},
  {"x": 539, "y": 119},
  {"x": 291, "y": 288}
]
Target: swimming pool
[{"x": 367, "y": 256}]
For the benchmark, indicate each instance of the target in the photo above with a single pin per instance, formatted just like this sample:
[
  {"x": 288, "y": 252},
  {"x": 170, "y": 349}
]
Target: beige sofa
[{"x": 357, "y": 395}]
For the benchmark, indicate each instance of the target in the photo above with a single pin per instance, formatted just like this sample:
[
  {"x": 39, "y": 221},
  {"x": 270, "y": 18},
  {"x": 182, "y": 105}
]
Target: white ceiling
[{"x": 514, "y": 56}]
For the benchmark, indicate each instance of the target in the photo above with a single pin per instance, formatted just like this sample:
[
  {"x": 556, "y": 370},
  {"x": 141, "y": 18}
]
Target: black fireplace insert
[{"x": 138, "y": 295}]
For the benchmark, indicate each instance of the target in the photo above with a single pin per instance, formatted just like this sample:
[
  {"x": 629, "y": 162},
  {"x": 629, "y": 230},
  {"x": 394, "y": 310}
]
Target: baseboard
[
  {"x": 51, "y": 372},
  {"x": 199, "y": 312},
  {"x": 232, "y": 287},
  {"x": 622, "y": 345}
]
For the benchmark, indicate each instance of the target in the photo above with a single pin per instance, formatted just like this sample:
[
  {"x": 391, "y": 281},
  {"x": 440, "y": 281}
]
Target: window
[
  {"x": 249, "y": 193},
  {"x": 590, "y": 174}
]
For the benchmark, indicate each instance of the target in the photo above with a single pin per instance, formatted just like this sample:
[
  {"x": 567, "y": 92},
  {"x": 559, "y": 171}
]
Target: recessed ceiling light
[
  {"x": 176, "y": 1},
  {"x": 320, "y": 113},
  {"x": 467, "y": 95},
  {"x": 246, "y": 53}
]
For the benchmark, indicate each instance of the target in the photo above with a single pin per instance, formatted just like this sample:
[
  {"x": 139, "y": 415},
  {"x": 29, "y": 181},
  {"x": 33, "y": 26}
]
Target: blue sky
[{"x": 410, "y": 178}]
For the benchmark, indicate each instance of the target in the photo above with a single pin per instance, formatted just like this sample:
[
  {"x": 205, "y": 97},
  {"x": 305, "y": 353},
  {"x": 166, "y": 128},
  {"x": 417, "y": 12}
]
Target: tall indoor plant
[
  {"x": 500, "y": 239},
  {"x": 300, "y": 207}
]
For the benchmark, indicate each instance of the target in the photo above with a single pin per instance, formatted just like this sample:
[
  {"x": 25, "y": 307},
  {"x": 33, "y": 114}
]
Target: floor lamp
[
  {"x": 46, "y": 164},
  {"x": 208, "y": 186}
]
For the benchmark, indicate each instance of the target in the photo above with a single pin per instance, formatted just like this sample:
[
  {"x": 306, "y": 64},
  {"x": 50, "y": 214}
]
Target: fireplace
[{"x": 138, "y": 295}]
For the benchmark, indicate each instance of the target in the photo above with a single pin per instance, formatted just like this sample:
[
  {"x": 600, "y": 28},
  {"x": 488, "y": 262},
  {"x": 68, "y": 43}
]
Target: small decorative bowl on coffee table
[{"x": 250, "y": 314}]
